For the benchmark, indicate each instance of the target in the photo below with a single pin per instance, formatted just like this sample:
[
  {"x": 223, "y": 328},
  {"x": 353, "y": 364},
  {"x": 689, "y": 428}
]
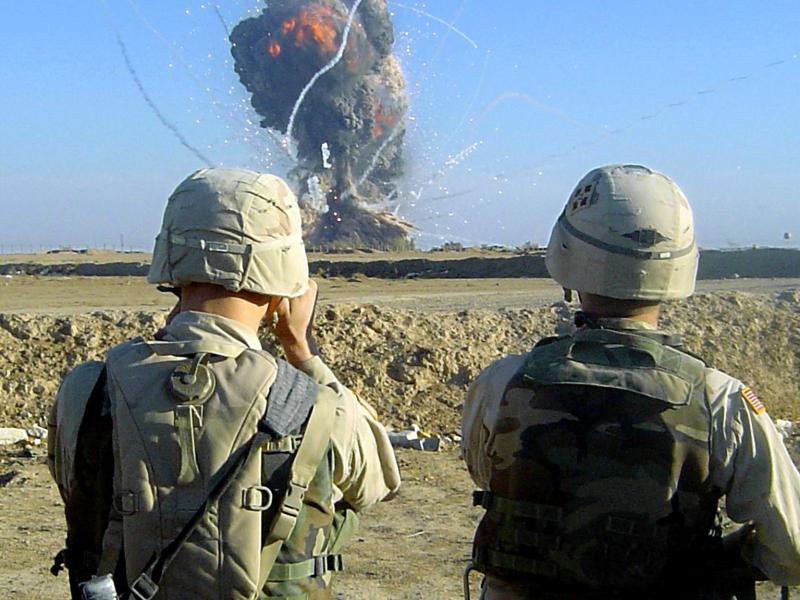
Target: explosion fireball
[{"x": 349, "y": 129}]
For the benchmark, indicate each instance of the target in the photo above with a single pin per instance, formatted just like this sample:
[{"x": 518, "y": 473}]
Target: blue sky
[{"x": 508, "y": 113}]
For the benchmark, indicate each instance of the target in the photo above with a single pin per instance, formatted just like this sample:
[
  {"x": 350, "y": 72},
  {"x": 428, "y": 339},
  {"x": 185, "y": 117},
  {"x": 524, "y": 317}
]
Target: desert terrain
[{"x": 409, "y": 343}]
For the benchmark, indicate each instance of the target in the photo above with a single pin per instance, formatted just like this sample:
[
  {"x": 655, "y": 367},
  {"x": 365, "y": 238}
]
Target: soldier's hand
[{"x": 294, "y": 318}]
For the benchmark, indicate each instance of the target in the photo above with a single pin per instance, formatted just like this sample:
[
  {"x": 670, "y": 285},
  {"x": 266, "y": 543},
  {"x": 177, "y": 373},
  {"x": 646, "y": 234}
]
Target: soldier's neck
[
  {"x": 246, "y": 308},
  {"x": 612, "y": 308}
]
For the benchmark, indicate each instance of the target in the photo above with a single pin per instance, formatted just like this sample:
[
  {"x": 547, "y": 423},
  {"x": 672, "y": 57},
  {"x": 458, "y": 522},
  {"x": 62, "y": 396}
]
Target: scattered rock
[
  {"x": 785, "y": 428},
  {"x": 791, "y": 296},
  {"x": 37, "y": 433},
  {"x": 6, "y": 478},
  {"x": 12, "y": 435}
]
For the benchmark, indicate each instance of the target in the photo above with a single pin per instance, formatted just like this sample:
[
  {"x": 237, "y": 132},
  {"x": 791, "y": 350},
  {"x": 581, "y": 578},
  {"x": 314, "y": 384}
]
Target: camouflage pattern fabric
[
  {"x": 311, "y": 537},
  {"x": 600, "y": 466}
]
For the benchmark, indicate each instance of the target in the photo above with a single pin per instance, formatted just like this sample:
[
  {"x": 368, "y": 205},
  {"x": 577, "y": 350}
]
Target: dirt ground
[
  {"x": 74, "y": 295},
  {"x": 412, "y": 547},
  {"x": 409, "y": 346}
]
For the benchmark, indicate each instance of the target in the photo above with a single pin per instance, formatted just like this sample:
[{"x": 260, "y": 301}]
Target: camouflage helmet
[
  {"x": 627, "y": 232},
  {"x": 234, "y": 228}
]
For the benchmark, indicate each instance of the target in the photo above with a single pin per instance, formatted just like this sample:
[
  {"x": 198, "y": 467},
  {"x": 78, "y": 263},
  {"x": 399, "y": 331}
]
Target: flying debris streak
[
  {"x": 443, "y": 41},
  {"x": 632, "y": 123},
  {"x": 473, "y": 101},
  {"x": 398, "y": 129},
  {"x": 556, "y": 112},
  {"x": 202, "y": 86},
  {"x": 222, "y": 20},
  {"x": 450, "y": 26},
  {"x": 449, "y": 164},
  {"x": 164, "y": 121}
]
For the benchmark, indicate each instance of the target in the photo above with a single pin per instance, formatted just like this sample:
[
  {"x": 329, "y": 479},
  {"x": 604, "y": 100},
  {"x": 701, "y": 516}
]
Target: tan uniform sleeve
[
  {"x": 480, "y": 416},
  {"x": 365, "y": 470},
  {"x": 750, "y": 463}
]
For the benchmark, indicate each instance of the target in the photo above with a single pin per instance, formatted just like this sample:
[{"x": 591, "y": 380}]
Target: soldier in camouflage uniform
[
  {"x": 601, "y": 456},
  {"x": 195, "y": 464}
]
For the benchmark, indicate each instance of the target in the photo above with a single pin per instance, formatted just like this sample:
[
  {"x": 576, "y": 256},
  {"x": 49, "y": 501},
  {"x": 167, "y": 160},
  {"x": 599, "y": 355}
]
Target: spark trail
[
  {"x": 231, "y": 119},
  {"x": 222, "y": 20},
  {"x": 333, "y": 62},
  {"x": 450, "y": 26}
]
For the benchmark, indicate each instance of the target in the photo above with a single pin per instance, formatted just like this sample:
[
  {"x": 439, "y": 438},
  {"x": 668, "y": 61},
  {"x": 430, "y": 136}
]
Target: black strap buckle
[
  {"x": 144, "y": 588},
  {"x": 481, "y": 498},
  {"x": 126, "y": 503}
]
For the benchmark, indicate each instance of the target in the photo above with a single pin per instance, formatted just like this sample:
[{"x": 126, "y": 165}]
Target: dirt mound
[
  {"x": 714, "y": 264},
  {"x": 415, "y": 366}
]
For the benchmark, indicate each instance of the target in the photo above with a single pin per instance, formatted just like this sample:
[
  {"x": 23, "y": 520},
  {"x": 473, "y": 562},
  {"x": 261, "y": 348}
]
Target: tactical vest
[
  {"x": 181, "y": 417},
  {"x": 600, "y": 467}
]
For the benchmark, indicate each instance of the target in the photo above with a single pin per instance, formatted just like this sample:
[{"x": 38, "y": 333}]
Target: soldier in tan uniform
[
  {"x": 601, "y": 456},
  {"x": 195, "y": 464}
]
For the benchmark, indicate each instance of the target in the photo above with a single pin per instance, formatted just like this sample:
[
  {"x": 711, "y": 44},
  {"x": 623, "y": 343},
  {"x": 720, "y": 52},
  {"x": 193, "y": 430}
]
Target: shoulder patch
[{"x": 752, "y": 399}]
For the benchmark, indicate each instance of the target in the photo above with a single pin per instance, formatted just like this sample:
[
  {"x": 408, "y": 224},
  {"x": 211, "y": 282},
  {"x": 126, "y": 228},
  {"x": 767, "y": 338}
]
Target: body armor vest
[
  {"x": 600, "y": 465},
  {"x": 179, "y": 417}
]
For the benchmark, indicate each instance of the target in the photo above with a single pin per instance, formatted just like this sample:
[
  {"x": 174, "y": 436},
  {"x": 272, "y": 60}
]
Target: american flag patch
[{"x": 751, "y": 398}]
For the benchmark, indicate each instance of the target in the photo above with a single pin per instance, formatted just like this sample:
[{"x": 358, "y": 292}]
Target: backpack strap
[
  {"x": 310, "y": 453},
  {"x": 617, "y": 360},
  {"x": 66, "y": 418}
]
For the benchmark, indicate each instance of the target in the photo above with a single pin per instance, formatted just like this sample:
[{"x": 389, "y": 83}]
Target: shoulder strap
[
  {"x": 306, "y": 462},
  {"x": 618, "y": 360},
  {"x": 67, "y": 416}
]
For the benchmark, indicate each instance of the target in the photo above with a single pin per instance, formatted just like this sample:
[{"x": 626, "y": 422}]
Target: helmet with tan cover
[
  {"x": 235, "y": 228},
  {"x": 627, "y": 232}
]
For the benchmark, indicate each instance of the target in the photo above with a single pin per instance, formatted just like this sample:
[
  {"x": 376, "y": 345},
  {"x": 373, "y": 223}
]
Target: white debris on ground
[
  {"x": 416, "y": 439},
  {"x": 14, "y": 435},
  {"x": 786, "y": 428}
]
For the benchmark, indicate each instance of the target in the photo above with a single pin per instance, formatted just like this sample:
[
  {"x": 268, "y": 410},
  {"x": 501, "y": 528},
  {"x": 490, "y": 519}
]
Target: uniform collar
[
  {"x": 193, "y": 331},
  {"x": 587, "y": 321},
  {"x": 625, "y": 324}
]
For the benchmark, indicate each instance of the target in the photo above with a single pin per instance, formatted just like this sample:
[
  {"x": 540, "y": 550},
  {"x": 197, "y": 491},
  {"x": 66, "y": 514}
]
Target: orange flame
[
  {"x": 288, "y": 26},
  {"x": 274, "y": 49},
  {"x": 317, "y": 24},
  {"x": 383, "y": 118}
]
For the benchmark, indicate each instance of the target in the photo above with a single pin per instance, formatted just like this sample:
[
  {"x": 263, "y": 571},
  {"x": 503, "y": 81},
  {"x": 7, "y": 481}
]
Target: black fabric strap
[
  {"x": 624, "y": 250},
  {"x": 291, "y": 398}
]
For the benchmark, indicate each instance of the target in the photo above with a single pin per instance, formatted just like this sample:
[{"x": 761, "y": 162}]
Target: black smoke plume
[{"x": 348, "y": 133}]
